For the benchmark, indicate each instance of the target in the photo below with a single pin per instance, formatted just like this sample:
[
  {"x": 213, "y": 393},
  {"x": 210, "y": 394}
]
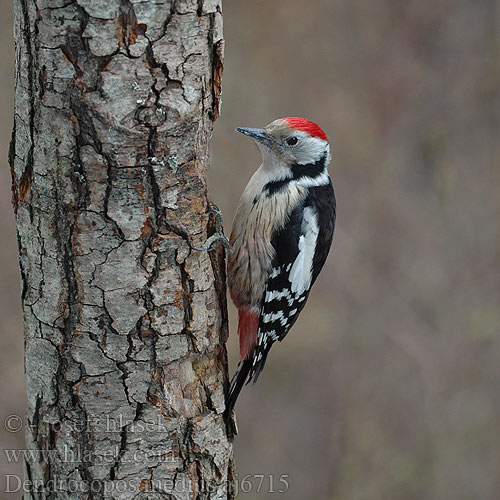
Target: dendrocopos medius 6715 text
[{"x": 281, "y": 236}]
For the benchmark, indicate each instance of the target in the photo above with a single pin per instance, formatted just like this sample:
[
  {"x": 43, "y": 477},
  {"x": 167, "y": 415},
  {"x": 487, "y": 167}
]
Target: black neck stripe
[{"x": 309, "y": 170}]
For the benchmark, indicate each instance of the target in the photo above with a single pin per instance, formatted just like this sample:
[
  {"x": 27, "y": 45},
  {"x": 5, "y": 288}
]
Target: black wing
[{"x": 301, "y": 250}]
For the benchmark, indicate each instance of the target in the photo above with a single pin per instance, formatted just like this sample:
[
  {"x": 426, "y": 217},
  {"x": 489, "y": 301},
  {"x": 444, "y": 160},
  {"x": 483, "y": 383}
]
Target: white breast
[{"x": 257, "y": 218}]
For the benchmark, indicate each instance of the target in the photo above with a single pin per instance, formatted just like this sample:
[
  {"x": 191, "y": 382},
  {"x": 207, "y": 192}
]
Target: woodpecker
[{"x": 281, "y": 236}]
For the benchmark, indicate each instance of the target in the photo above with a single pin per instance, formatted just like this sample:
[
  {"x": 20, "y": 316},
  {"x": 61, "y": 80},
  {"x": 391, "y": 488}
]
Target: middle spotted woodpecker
[{"x": 281, "y": 236}]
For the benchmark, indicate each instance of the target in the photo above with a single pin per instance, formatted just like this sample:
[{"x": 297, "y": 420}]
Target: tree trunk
[{"x": 125, "y": 325}]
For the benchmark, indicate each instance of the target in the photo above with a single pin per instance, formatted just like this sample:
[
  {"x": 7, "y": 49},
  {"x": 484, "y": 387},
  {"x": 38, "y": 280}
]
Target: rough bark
[{"x": 125, "y": 325}]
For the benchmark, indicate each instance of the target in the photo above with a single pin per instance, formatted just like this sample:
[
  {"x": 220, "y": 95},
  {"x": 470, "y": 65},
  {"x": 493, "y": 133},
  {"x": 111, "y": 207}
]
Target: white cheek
[{"x": 311, "y": 150}]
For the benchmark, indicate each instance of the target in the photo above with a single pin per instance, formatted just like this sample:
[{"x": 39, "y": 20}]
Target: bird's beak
[{"x": 258, "y": 134}]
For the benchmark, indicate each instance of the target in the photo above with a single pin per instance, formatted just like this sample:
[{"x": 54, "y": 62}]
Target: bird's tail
[{"x": 237, "y": 382}]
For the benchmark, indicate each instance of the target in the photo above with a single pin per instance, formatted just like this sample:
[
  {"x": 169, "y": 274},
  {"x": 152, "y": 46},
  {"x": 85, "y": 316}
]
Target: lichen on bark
[{"x": 125, "y": 325}]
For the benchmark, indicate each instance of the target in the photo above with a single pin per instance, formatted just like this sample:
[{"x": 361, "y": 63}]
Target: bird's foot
[{"x": 218, "y": 236}]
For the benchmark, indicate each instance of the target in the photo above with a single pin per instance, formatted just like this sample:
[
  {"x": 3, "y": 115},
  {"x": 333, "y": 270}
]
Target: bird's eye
[{"x": 291, "y": 141}]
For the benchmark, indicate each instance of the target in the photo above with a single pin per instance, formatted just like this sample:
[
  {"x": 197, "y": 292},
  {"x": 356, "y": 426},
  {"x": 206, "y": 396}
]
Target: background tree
[{"x": 125, "y": 325}]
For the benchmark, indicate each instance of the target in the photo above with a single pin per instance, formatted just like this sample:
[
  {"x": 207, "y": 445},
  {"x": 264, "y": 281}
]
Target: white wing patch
[
  {"x": 301, "y": 272},
  {"x": 287, "y": 288}
]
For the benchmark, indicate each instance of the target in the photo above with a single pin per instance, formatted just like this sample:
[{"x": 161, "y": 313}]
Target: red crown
[{"x": 313, "y": 129}]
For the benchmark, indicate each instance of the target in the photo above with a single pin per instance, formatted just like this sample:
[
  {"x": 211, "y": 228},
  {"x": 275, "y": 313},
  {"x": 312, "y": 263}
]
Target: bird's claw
[
  {"x": 211, "y": 243},
  {"x": 217, "y": 237}
]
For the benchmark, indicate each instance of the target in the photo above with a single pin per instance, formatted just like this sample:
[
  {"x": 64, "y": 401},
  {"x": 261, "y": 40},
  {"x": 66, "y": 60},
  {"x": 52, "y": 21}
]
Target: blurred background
[{"x": 388, "y": 386}]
